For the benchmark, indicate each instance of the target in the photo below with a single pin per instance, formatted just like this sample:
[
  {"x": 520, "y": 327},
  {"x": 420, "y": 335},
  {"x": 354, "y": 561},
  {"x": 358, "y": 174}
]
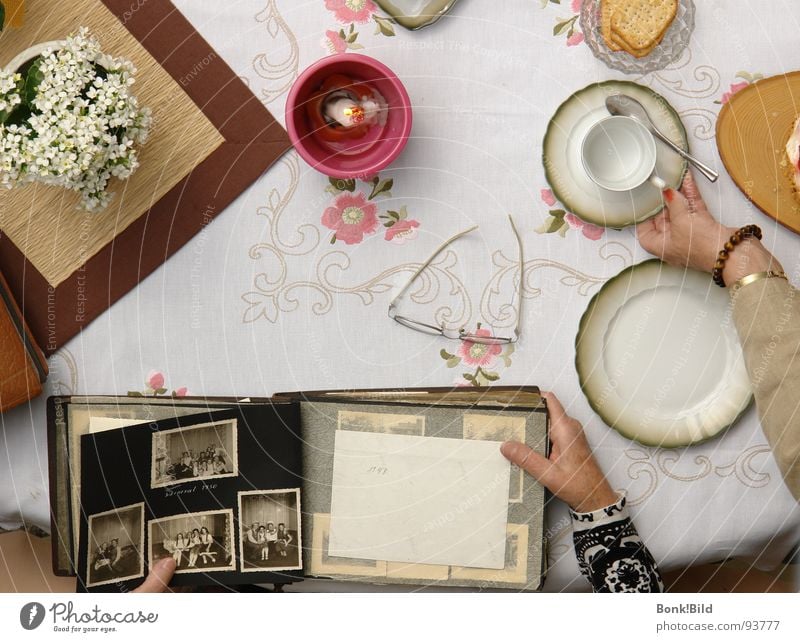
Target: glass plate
[
  {"x": 415, "y": 14},
  {"x": 671, "y": 46}
]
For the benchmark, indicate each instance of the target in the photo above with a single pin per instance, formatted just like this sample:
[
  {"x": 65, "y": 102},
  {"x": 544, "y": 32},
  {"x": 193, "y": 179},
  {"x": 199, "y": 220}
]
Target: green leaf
[
  {"x": 384, "y": 25},
  {"x": 135, "y": 393},
  {"x": 394, "y": 215},
  {"x": 160, "y": 391},
  {"x": 452, "y": 363},
  {"x": 32, "y": 81},
  {"x": 354, "y": 45},
  {"x": 554, "y": 223},
  {"x": 389, "y": 224},
  {"x": 333, "y": 239},
  {"x": 381, "y": 187},
  {"x": 506, "y": 355},
  {"x": 444, "y": 354},
  {"x": 403, "y": 213},
  {"x": 490, "y": 376},
  {"x": 18, "y": 116},
  {"x": 351, "y": 38},
  {"x": 342, "y": 184},
  {"x": 352, "y": 27},
  {"x": 468, "y": 376},
  {"x": 564, "y": 26}
]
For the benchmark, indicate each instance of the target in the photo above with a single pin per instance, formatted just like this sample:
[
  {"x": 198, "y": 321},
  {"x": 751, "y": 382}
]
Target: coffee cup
[{"x": 619, "y": 154}]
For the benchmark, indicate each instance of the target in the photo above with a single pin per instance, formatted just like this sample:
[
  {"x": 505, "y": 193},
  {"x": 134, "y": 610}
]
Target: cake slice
[{"x": 793, "y": 153}]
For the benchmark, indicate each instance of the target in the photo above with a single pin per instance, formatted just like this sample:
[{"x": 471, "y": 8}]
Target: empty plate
[{"x": 658, "y": 356}]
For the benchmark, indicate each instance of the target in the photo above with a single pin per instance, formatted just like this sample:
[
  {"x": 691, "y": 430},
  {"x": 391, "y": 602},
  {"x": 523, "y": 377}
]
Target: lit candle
[{"x": 349, "y": 113}]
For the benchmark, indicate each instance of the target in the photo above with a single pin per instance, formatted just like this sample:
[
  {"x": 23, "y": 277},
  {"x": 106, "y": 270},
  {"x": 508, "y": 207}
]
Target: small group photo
[
  {"x": 194, "y": 453},
  {"x": 116, "y": 545},
  {"x": 270, "y": 530},
  {"x": 198, "y": 542}
]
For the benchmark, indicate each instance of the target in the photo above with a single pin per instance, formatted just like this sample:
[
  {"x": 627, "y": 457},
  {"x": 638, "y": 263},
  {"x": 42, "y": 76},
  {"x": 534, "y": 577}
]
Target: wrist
[
  {"x": 749, "y": 257},
  {"x": 601, "y": 497}
]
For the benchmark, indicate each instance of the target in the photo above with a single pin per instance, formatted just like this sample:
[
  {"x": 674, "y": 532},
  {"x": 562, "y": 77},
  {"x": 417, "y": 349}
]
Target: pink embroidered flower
[
  {"x": 155, "y": 380},
  {"x": 478, "y": 354},
  {"x": 351, "y": 10},
  {"x": 548, "y": 198},
  {"x": 351, "y": 217},
  {"x": 735, "y": 87},
  {"x": 576, "y": 6},
  {"x": 590, "y": 231},
  {"x": 575, "y": 39},
  {"x": 402, "y": 231},
  {"x": 333, "y": 42},
  {"x": 181, "y": 392}
]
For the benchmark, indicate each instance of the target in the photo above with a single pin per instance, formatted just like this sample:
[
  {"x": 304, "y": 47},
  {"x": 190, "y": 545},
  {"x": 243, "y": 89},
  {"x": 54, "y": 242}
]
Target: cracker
[
  {"x": 641, "y": 24},
  {"x": 624, "y": 46},
  {"x": 606, "y": 13}
]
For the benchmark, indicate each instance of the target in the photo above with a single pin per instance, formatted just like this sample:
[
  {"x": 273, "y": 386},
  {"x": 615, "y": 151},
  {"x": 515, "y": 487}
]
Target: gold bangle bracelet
[{"x": 757, "y": 276}]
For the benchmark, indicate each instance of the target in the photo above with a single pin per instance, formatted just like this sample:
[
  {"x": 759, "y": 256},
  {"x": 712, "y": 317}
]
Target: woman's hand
[
  {"x": 687, "y": 235},
  {"x": 158, "y": 578},
  {"x": 571, "y": 472}
]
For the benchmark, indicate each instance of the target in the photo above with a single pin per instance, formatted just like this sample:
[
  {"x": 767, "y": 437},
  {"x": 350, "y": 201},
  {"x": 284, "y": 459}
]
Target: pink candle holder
[{"x": 365, "y": 149}]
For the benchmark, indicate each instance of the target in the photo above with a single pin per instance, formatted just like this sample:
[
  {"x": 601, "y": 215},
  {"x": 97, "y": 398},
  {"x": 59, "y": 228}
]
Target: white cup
[{"x": 619, "y": 154}]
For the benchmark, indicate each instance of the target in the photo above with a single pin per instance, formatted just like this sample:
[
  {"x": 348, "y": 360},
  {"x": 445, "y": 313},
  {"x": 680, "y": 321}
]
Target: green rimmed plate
[
  {"x": 561, "y": 156},
  {"x": 415, "y": 14},
  {"x": 658, "y": 357}
]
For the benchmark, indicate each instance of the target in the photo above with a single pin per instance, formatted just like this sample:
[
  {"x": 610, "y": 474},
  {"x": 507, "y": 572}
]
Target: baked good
[
  {"x": 793, "y": 153},
  {"x": 636, "y": 26}
]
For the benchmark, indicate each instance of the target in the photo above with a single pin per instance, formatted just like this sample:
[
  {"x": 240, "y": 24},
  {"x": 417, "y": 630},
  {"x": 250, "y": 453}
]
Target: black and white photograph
[
  {"x": 198, "y": 542},
  {"x": 382, "y": 422},
  {"x": 116, "y": 545},
  {"x": 270, "y": 530},
  {"x": 194, "y": 453}
]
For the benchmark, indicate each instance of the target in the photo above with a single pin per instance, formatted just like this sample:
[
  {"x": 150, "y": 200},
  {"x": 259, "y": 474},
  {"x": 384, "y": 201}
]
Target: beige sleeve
[{"x": 767, "y": 317}]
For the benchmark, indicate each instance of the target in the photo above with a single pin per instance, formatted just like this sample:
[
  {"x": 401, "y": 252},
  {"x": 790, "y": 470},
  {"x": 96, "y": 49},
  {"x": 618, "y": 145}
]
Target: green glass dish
[{"x": 415, "y": 14}]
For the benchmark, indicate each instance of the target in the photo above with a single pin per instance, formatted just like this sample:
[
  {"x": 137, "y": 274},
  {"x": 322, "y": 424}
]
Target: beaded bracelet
[{"x": 737, "y": 237}]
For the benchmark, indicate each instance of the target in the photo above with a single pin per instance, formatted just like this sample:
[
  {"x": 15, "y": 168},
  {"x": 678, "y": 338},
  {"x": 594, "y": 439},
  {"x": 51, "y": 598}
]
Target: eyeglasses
[{"x": 460, "y": 334}]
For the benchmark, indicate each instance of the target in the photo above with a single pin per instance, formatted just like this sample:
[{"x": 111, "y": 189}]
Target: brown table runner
[{"x": 58, "y": 308}]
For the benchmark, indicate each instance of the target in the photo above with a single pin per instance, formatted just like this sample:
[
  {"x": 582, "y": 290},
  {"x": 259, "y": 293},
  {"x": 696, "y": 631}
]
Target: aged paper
[{"x": 425, "y": 500}]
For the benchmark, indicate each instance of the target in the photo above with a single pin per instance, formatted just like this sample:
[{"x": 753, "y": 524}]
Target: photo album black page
[{"x": 219, "y": 492}]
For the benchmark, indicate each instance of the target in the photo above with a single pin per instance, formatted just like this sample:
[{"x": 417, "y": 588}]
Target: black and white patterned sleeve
[{"x": 611, "y": 554}]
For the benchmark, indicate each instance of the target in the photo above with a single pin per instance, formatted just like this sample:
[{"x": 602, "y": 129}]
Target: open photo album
[{"x": 378, "y": 486}]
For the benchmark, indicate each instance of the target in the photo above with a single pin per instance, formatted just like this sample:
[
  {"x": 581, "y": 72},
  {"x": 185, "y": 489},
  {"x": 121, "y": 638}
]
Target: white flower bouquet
[{"x": 68, "y": 118}]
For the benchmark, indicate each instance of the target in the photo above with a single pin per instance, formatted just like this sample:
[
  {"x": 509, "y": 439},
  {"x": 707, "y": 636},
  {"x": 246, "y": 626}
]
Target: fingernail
[
  {"x": 668, "y": 195},
  {"x": 165, "y": 563}
]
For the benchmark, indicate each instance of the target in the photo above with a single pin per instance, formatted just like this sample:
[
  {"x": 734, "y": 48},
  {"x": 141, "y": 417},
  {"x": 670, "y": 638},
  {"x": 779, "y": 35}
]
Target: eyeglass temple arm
[
  {"x": 422, "y": 267},
  {"x": 521, "y": 276}
]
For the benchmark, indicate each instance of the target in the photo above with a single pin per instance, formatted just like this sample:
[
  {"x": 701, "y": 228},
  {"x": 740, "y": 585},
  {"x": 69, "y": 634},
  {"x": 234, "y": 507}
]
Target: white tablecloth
[{"x": 261, "y": 301}]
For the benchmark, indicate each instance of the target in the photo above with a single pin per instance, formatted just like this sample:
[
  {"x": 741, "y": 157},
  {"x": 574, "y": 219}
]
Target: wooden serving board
[{"x": 752, "y": 131}]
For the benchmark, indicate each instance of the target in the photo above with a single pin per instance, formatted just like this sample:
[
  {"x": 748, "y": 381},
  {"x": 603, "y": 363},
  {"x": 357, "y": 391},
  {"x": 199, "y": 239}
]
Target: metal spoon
[{"x": 624, "y": 105}]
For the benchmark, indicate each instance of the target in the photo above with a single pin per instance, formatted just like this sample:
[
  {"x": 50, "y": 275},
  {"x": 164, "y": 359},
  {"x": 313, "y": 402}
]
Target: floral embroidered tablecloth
[{"x": 289, "y": 288}]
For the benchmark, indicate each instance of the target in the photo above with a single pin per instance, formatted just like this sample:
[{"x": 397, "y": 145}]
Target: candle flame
[{"x": 355, "y": 114}]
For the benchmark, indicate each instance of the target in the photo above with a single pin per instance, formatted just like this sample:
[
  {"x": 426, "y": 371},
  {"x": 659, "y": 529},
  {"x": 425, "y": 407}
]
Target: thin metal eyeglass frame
[{"x": 461, "y": 334}]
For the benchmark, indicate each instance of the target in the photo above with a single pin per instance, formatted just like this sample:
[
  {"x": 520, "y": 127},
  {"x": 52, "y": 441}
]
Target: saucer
[
  {"x": 569, "y": 181},
  {"x": 658, "y": 357},
  {"x": 415, "y": 14}
]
